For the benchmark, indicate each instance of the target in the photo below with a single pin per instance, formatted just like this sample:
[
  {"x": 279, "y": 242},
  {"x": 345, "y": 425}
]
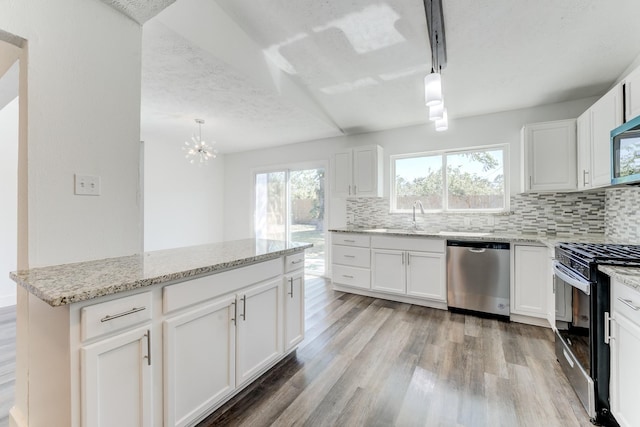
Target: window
[{"x": 474, "y": 180}]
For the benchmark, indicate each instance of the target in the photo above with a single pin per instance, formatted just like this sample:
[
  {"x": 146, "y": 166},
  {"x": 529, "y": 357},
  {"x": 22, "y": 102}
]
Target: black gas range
[{"x": 582, "y": 308}]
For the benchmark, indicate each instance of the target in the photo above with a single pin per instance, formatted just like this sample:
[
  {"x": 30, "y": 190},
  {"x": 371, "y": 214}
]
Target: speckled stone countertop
[
  {"x": 543, "y": 239},
  {"x": 629, "y": 276},
  {"x": 65, "y": 284}
]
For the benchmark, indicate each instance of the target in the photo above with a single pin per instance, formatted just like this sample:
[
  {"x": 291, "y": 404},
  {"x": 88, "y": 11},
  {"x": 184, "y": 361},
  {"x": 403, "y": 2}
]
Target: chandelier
[{"x": 198, "y": 150}]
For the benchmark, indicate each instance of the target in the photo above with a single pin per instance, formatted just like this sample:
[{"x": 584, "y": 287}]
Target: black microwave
[{"x": 625, "y": 153}]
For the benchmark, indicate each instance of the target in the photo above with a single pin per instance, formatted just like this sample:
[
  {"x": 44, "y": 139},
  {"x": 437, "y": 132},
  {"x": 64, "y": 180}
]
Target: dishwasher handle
[{"x": 476, "y": 250}]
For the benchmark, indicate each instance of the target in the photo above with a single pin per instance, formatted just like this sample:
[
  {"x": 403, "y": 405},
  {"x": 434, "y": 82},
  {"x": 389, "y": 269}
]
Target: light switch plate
[{"x": 87, "y": 185}]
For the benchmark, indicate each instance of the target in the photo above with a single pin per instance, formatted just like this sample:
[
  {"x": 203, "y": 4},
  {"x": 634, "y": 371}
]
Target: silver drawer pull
[
  {"x": 124, "y": 313},
  {"x": 349, "y": 256},
  {"x": 629, "y": 303},
  {"x": 347, "y": 276},
  {"x": 349, "y": 241},
  {"x": 297, "y": 262}
]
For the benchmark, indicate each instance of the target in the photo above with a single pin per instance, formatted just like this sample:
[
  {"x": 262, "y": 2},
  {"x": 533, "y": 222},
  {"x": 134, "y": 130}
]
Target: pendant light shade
[
  {"x": 443, "y": 123},
  {"x": 432, "y": 89},
  {"x": 436, "y": 111}
]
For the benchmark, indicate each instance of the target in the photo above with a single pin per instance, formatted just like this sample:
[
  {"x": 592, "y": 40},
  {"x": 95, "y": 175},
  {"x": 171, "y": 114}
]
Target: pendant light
[
  {"x": 436, "y": 111},
  {"x": 432, "y": 89},
  {"x": 443, "y": 123},
  {"x": 198, "y": 150}
]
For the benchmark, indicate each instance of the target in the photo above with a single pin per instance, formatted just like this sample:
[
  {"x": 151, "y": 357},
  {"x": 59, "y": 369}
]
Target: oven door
[{"x": 573, "y": 332}]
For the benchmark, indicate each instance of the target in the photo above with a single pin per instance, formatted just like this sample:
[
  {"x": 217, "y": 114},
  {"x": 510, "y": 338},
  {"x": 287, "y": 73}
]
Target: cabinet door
[
  {"x": 584, "y": 150},
  {"x": 550, "y": 151},
  {"x": 199, "y": 360},
  {"x": 606, "y": 114},
  {"x": 293, "y": 310},
  {"x": 426, "y": 276},
  {"x": 625, "y": 375},
  {"x": 388, "y": 272},
  {"x": 342, "y": 174},
  {"x": 365, "y": 171},
  {"x": 632, "y": 95},
  {"x": 259, "y": 340},
  {"x": 116, "y": 381},
  {"x": 529, "y": 287}
]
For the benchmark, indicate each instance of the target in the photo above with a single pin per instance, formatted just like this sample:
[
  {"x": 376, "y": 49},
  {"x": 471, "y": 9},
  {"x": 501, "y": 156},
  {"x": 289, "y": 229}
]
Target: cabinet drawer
[
  {"x": 624, "y": 298},
  {"x": 293, "y": 262},
  {"x": 408, "y": 243},
  {"x": 351, "y": 256},
  {"x": 352, "y": 276},
  {"x": 110, "y": 316},
  {"x": 347, "y": 239}
]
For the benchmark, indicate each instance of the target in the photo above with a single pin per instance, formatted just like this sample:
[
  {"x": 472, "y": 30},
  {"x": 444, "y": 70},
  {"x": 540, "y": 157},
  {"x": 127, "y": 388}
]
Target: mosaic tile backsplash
[
  {"x": 622, "y": 214},
  {"x": 542, "y": 213}
]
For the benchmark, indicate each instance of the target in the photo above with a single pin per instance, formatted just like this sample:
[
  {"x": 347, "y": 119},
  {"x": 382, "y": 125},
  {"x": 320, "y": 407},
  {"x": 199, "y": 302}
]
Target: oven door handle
[{"x": 569, "y": 277}]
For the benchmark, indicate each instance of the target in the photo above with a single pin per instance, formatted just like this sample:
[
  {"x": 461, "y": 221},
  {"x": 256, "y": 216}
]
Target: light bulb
[{"x": 436, "y": 111}]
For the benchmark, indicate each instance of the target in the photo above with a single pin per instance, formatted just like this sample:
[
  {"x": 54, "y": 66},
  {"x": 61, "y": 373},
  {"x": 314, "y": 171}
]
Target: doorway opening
[{"x": 290, "y": 204}]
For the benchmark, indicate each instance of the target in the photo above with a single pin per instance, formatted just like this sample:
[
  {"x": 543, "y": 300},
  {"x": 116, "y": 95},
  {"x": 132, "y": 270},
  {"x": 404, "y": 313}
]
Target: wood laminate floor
[{"x": 371, "y": 362}]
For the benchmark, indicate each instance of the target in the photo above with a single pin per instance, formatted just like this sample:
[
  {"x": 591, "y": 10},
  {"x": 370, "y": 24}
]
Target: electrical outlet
[{"x": 87, "y": 185}]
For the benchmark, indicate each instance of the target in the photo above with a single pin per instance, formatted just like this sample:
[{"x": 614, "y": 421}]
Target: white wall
[
  {"x": 499, "y": 128},
  {"x": 83, "y": 112},
  {"x": 9, "y": 197},
  {"x": 183, "y": 202}
]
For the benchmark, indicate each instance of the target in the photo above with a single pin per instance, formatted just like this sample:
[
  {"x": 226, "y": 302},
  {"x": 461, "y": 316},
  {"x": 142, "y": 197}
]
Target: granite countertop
[
  {"x": 65, "y": 284},
  {"x": 629, "y": 276},
  {"x": 544, "y": 239}
]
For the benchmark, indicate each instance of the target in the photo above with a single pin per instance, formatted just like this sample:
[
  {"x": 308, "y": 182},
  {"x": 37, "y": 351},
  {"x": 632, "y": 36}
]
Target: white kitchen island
[{"x": 160, "y": 338}]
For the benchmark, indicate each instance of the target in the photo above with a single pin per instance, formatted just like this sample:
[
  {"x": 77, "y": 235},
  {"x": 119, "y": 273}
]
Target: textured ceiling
[
  {"x": 139, "y": 10},
  {"x": 272, "y": 72}
]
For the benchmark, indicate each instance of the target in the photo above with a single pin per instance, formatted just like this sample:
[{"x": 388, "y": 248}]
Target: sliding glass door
[{"x": 290, "y": 205}]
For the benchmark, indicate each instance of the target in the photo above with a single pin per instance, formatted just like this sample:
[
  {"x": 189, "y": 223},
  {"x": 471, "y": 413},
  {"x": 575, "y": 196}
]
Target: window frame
[{"x": 445, "y": 193}]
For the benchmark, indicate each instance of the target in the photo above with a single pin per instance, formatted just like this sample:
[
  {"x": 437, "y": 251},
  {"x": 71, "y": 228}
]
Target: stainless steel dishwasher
[{"x": 478, "y": 276}]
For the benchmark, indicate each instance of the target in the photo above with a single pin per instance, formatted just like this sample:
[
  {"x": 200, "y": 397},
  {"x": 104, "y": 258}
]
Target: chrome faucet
[{"x": 417, "y": 203}]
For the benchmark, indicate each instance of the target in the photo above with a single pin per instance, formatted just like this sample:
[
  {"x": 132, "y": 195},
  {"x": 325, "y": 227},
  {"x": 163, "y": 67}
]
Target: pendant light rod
[{"x": 435, "y": 25}]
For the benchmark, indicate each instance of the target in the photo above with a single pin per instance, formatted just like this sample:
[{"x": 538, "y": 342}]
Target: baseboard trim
[{"x": 391, "y": 297}]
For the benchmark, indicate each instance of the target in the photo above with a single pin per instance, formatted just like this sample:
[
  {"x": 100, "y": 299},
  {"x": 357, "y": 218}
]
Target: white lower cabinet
[
  {"x": 199, "y": 360},
  {"x": 259, "y": 340},
  {"x": 625, "y": 348},
  {"x": 116, "y": 387},
  {"x": 293, "y": 309},
  {"x": 530, "y": 282},
  {"x": 388, "y": 271},
  {"x": 426, "y": 275}
]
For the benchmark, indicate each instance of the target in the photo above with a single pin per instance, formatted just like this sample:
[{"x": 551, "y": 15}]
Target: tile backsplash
[
  {"x": 551, "y": 213},
  {"x": 622, "y": 214}
]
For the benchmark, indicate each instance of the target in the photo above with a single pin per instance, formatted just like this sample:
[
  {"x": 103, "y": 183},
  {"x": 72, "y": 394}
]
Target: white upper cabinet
[
  {"x": 549, "y": 156},
  {"x": 358, "y": 172},
  {"x": 632, "y": 95},
  {"x": 584, "y": 150},
  {"x": 606, "y": 114},
  {"x": 594, "y": 139}
]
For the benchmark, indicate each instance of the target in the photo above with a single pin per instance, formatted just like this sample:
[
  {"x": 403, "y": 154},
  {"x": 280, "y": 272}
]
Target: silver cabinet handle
[
  {"x": 349, "y": 241},
  {"x": 244, "y": 307},
  {"x": 355, "y": 190},
  {"x": 584, "y": 177},
  {"x": 607, "y": 327},
  {"x": 148, "y": 356},
  {"x": 235, "y": 312},
  {"x": 291, "y": 287},
  {"x": 124, "y": 313},
  {"x": 349, "y": 256},
  {"x": 297, "y": 262},
  {"x": 530, "y": 182},
  {"x": 629, "y": 303},
  {"x": 349, "y": 189},
  {"x": 347, "y": 276}
]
